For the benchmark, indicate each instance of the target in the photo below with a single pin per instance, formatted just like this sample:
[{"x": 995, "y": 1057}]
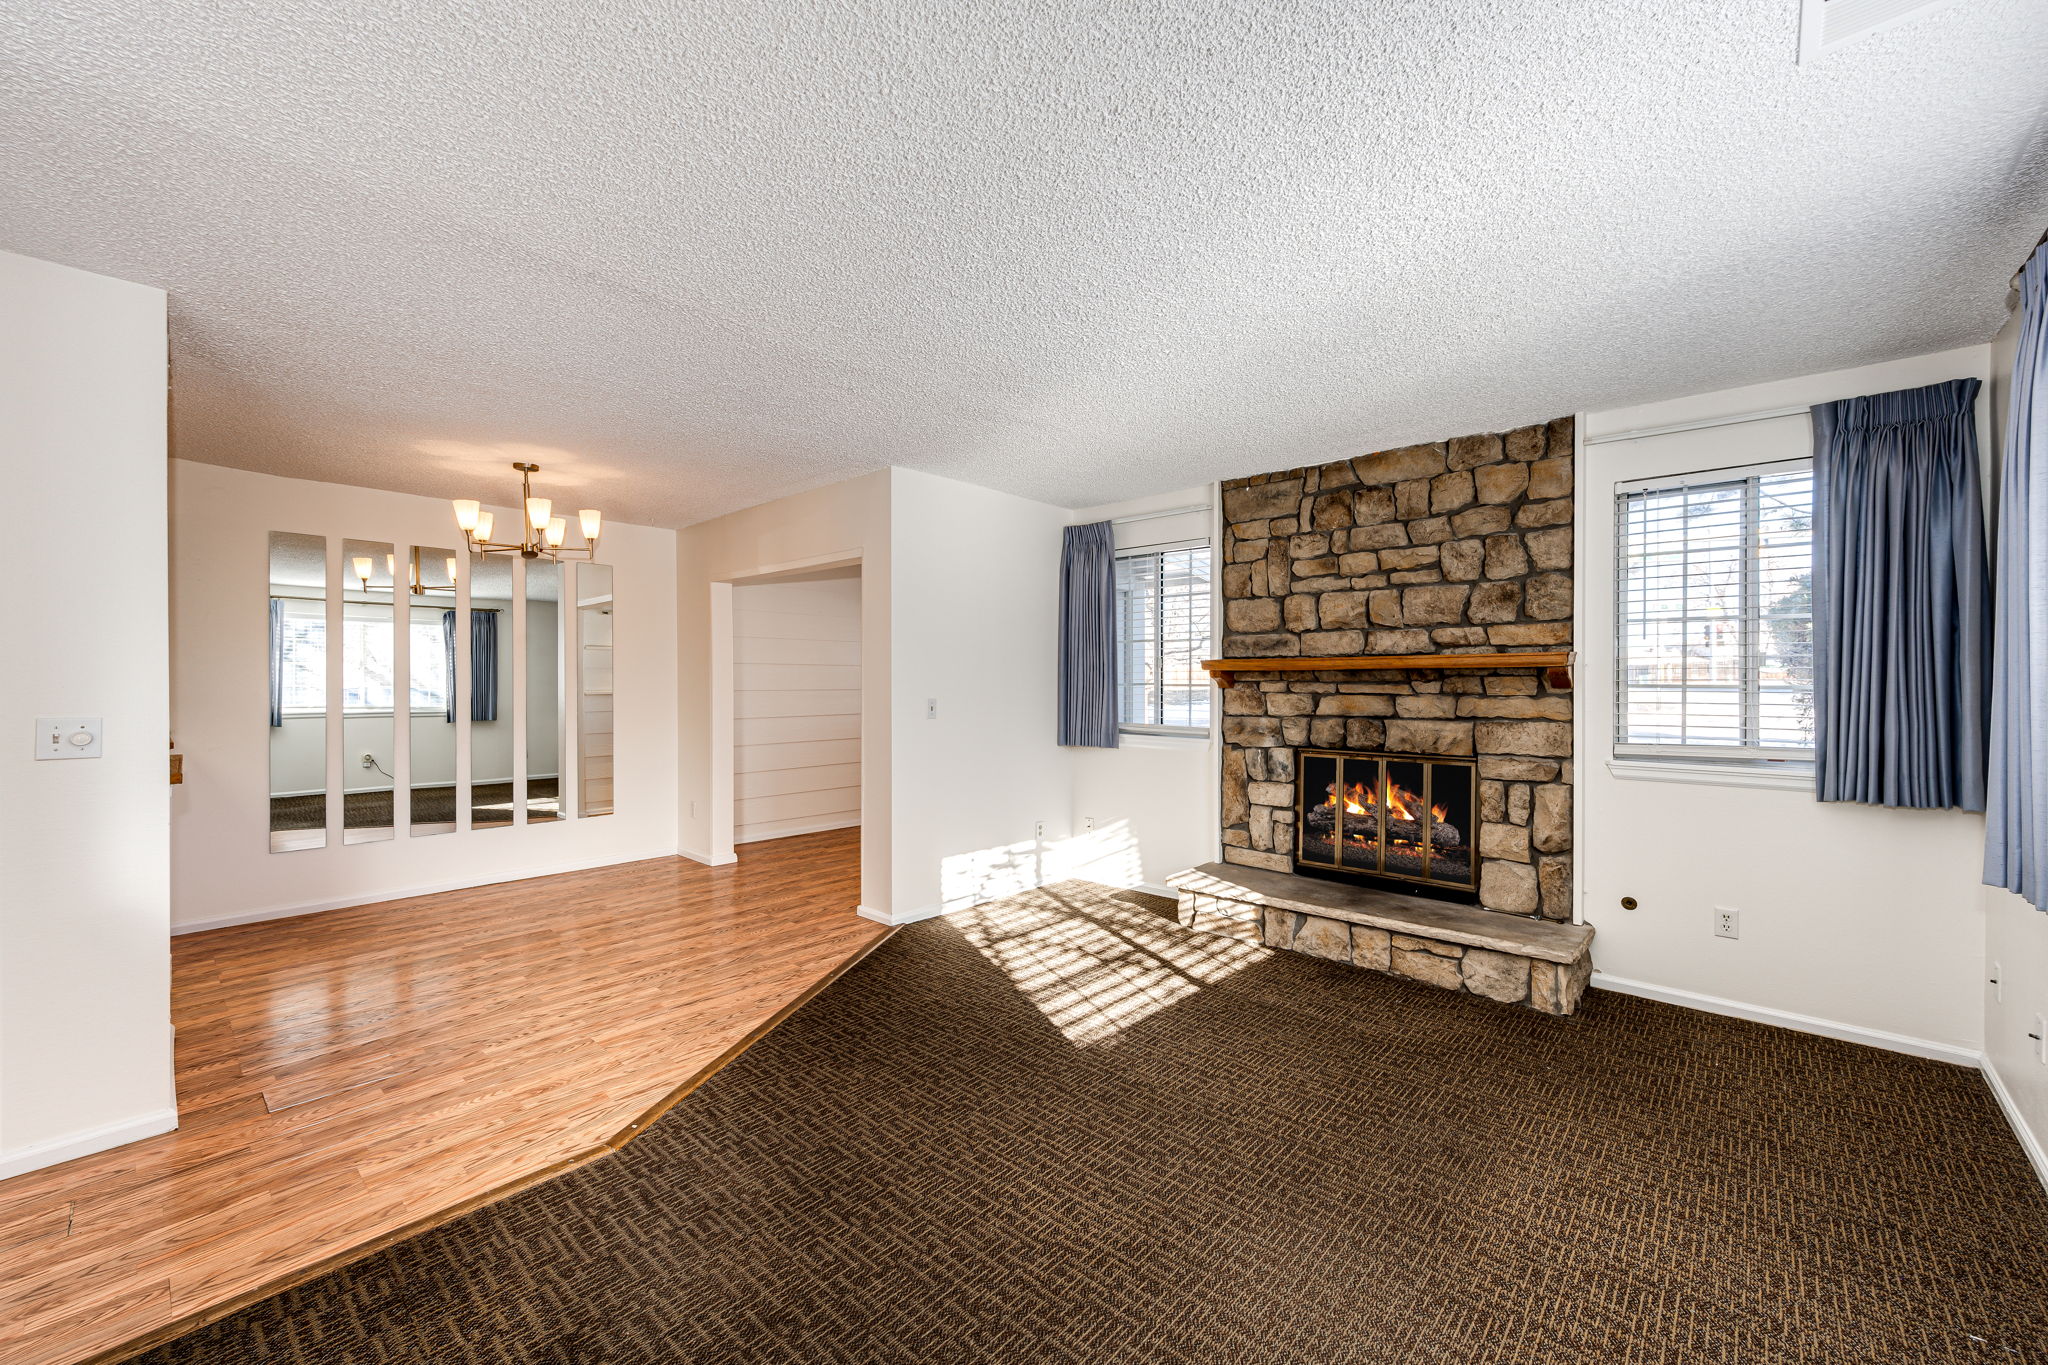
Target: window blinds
[
  {"x": 1162, "y": 607},
  {"x": 1714, "y": 652}
]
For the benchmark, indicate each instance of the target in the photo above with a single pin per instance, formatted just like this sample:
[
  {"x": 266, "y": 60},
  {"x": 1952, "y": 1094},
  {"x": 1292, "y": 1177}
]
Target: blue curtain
[
  {"x": 1901, "y": 603},
  {"x": 2016, "y": 833},
  {"x": 1088, "y": 713},
  {"x": 483, "y": 663},
  {"x": 276, "y": 661}
]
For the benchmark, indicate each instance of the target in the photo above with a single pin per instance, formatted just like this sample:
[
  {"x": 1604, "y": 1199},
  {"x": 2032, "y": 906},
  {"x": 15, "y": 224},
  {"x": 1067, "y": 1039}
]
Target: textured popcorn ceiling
[{"x": 691, "y": 257}]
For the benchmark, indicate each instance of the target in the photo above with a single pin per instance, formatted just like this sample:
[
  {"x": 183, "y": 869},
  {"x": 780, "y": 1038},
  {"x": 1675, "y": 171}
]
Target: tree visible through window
[
  {"x": 1162, "y": 613},
  {"x": 1714, "y": 602}
]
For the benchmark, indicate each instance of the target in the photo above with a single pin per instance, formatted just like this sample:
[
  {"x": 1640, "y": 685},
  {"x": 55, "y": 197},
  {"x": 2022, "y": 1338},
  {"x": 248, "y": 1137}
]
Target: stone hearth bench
[{"x": 1540, "y": 963}]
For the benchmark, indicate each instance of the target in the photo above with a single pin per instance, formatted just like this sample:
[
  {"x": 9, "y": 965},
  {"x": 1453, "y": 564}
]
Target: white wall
[
  {"x": 2015, "y": 933},
  {"x": 844, "y": 523},
  {"x": 1858, "y": 917},
  {"x": 85, "y": 1028},
  {"x": 976, "y": 600},
  {"x": 222, "y": 869},
  {"x": 796, "y": 707},
  {"x": 1153, "y": 798}
]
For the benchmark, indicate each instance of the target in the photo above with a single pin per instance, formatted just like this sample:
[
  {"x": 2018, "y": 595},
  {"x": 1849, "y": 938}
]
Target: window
[
  {"x": 1714, "y": 641},
  {"x": 429, "y": 661},
  {"x": 366, "y": 681},
  {"x": 1162, "y": 628}
]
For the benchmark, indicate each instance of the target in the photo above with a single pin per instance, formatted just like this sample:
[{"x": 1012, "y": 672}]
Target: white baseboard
[
  {"x": 905, "y": 917},
  {"x": 408, "y": 892},
  {"x": 2030, "y": 1141},
  {"x": 1802, "y": 1023},
  {"x": 833, "y": 822},
  {"x": 1154, "y": 889},
  {"x": 705, "y": 858},
  {"x": 86, "y": 1143}
]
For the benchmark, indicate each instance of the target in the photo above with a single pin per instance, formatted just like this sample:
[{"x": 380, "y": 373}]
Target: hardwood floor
[{"x": 346, "y": 1077}]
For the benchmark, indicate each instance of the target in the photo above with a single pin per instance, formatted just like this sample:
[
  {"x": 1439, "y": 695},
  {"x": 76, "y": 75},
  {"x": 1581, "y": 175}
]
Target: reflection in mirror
[
  {"x": 369, "y": 691},
  {"x": 543, "y": 690},
  {"x": 298, "y": 692},
  {"x": 432, "y": 725},
  {"x": 594, "y": 701},
  {"x": 490, "y": 683}
]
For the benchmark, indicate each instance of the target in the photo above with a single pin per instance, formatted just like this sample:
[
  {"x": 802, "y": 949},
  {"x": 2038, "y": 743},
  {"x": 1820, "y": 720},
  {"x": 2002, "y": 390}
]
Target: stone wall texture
[{"x": 1461, "y": 546}]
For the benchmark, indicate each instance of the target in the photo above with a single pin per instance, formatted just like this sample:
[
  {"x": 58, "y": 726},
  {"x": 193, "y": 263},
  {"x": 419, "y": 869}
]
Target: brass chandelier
[{"x": 543, "y": 534}]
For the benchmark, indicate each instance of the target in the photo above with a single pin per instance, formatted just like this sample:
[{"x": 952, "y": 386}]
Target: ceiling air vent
[{"x": 1825, "y": 25}]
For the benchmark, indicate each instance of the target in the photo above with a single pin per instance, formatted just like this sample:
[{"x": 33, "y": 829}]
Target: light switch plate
[{"x": 67, "y": 737}]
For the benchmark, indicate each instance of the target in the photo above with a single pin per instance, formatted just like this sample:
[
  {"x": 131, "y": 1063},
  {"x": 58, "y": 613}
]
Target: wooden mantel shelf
[{"x": 1557, "y": 664}]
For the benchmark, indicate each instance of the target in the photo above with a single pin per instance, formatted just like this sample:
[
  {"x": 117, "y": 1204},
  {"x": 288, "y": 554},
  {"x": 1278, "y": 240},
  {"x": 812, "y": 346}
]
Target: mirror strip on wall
[
  {"x": 298, "y": 692},
  {"x": 432, "y": 690},
  {"x": 368, "y": 701}
]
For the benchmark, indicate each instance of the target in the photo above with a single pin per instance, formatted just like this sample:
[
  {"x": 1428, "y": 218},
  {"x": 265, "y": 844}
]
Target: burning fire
[{"x": 1401, "y": 804}]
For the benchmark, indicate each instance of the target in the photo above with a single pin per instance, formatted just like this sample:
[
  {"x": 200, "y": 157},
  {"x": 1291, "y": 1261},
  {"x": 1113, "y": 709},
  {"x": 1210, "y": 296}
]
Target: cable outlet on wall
[
  {"x": 1727, "y": 922},
  {"x": 369, "y": 760}
]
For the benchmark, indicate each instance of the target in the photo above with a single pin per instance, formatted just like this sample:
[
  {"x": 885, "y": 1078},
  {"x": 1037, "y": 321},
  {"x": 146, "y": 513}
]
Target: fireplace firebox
[{"x": 1402, "y": 821}]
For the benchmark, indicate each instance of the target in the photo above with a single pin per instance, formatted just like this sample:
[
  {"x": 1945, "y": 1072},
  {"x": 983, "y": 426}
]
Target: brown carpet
[
  {"x": 1059, "y": 1130},
  {"x": 490, "y": 803}
]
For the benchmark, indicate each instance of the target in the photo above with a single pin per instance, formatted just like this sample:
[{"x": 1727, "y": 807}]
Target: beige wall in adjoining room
[
  {"x": 796, "y": 707},
  {"x": 223, "y": 870}
]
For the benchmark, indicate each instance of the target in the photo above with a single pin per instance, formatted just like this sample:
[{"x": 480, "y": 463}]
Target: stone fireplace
[{"x": 1460, "y": 547}]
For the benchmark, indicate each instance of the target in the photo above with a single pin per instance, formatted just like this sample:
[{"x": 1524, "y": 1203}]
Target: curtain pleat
[
  {"x": 2016, "y": 826},
  {"x": 276, "y": 661},
  {"x": 448, "y": 646},
  {"x": 1088, "y": 714},
  {"x": 1901, "y": 603}
]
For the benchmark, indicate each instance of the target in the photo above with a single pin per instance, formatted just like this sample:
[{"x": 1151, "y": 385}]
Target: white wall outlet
[
  {"x": 1727, "y": 922},
  {"x": 67, "y": 737},
  {"x": 1088, "y": 824},
  {"x": 2040, "y": 1037},
  {"x": 1038, "y": 830},
  {"x": 931, "y": 708},
  {"x": 369, "y": 760},
  {"x": 1997, "y": 979}
]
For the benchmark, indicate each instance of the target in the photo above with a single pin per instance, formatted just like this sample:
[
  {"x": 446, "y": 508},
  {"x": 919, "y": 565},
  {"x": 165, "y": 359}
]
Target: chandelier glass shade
[{"x": 542, "y": 534}]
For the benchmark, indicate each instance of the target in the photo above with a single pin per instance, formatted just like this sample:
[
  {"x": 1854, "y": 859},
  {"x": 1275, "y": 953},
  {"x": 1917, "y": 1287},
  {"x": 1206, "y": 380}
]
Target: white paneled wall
[{"x": 796, "y": 707}]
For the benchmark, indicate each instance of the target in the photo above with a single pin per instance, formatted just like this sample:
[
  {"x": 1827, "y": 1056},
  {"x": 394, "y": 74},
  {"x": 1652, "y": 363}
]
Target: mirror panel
[
  {"x": 431, "y": 728},
  {"x": 593, "y": 716},
  {"x": 543, "y": 690},
  {"x": 369, "y": 691},
  {"x": 298, "y": 692},
  {"x": 490, "y": 687}
]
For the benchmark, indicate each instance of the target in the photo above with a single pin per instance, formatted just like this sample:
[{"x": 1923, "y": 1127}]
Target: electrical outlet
[
  {"x": 2040, "y": 1037},
  {"x": 1088, "y": 824},
  {"x": 369, "y": 761},
  {"x": 1997, "y": 980},
  {"x": 1038, "y": 830},
  {"x": 1727, "y": 922}
]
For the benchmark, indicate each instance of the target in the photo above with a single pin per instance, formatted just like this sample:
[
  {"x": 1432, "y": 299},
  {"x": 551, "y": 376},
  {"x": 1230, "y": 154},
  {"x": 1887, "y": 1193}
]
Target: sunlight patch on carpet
[{"x": 1096, "y": 967}]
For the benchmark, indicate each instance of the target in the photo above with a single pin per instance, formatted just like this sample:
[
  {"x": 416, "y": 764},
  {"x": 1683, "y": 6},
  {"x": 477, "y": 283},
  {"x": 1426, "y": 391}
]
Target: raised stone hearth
[{"x": 1458, "y": 947}]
